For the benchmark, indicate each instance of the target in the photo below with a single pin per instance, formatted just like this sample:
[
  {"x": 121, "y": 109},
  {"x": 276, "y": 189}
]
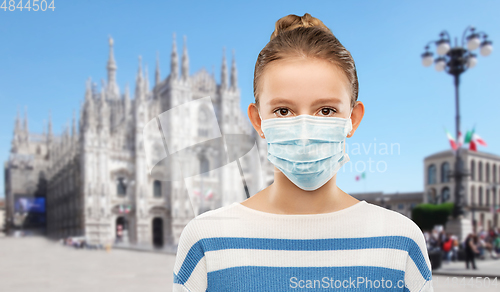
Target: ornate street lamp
[{"x": 455, "y": 61}]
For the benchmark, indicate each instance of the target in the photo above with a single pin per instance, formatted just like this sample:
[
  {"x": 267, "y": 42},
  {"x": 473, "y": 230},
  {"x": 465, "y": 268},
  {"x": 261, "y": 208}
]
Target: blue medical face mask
[{"x": 308, "y": 150}]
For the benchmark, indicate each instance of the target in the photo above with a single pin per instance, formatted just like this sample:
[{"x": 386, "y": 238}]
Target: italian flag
[
  {"x": 473, "y": 139},
  {"x": 452, "y": 140},
  {"x": 478, "y": 140},
  {"x": 468, "y": 135},
  {"x": 124, "y": 209},
  {"x": 361, "y": 176}
]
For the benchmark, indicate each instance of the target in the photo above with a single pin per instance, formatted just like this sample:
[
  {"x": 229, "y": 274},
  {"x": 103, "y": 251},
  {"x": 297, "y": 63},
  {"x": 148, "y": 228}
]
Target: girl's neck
[{"x": 284, "y": 197}]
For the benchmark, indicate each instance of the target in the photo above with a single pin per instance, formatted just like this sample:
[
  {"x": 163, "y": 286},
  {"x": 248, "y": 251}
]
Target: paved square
[
  {"x": 39, "y": 265},
  {"x": 34, "y": 264}
]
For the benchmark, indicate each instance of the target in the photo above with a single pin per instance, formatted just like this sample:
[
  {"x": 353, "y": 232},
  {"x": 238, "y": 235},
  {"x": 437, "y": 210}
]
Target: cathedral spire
[
  {"x": 103, "y": 91},
  {"x": 157, "y": 73},
  {"x": 66, "y": 134},
  {"x": 17, "y": 132},
  {"x": 50, "y": 136},
  {"x": 94, "y": 89},
  {"x": 146, "y": 79},
  {"x": 103, "y": 110},
  {"x": 66, "y": 128},
  {"x": 49, "y": 126},
  {"x": 88, "y": 90},
  {"x": 87, "y": 120},
  {"x": 17, "y": 128},
  {"x": 174, "y": 65},
  {"x": 223, "y": 75},
  {"x": 185, "y": 61},
  {"x": 25, "y": 126},
  {"x": 73, "y": 129},
  {"x": 139, "y": 82},
  {"x": 234, "y": 73},
  {"x": 112, "y": 88},
  {"x": 126, "y": 100}
]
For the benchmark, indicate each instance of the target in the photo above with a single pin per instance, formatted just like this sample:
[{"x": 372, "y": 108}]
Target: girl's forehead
[{"x": 304, "y": 80}]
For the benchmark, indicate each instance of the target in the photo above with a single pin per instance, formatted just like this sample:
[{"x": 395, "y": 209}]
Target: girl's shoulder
[
  {"x": 382, "y": 221},
  {"x": 209, "y": 221}
]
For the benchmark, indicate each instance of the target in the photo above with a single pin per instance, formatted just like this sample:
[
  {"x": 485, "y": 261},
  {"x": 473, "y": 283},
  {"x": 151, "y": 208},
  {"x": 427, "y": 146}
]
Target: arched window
[
  {"x": 473, "y": 195},
  {"x": 445, "y": 168},
  {"x": 472, "y": 170},
  {"x": 445, "y": 194},
  {"x": 480, "y": 196},
  {"x": 487, "y": 172},
  {"x": 121, "y": 188},
  {"x": 431, "y": 196},
  {"x": 487, "y": 197},
  {"x": 157, "y": 189},
  {"x": 480, "y": 171},
  {"x": 494, "y": 193},
  {"x": 431, "y": 174},
  {"x": 204, "y": 166}
]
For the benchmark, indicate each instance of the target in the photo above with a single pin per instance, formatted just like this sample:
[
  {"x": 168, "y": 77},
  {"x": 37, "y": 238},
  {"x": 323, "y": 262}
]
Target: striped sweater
[{"x": 363, "y": 247}]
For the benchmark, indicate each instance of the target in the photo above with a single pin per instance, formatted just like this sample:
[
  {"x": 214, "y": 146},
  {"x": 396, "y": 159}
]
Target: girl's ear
[
  {"x": 253, "y": 115},
  {"x": 357, "y": 115}
]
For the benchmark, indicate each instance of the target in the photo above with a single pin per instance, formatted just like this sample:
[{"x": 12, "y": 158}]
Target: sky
[{"x": 46, "y": 57}]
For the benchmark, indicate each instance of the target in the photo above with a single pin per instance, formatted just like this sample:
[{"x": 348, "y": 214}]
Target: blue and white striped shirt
[{"x": 363, "y": 247}]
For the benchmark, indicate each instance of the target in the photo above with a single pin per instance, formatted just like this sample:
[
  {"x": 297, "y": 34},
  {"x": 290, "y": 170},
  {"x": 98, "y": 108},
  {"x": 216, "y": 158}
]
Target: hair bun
[{"x": 293, "y": 21}]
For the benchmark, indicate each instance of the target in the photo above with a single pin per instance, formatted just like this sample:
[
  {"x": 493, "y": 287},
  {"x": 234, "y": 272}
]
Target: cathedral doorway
[
  {"x": 158, "y": 232},
  {"x": 121, "y": 231}
]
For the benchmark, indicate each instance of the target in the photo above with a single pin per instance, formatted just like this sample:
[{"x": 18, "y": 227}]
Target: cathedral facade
[{"x": 97, "y": 179}]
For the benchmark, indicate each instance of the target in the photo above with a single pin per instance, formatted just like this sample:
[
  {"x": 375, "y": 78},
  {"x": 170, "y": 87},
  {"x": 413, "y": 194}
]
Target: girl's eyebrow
[
  {"x": 333, "y": 100},
  {"x": 280, "y": 100}
]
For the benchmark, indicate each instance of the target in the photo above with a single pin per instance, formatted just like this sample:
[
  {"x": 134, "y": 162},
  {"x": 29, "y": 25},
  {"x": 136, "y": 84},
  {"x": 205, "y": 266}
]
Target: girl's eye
[
  {"x": 327, "y": 111},
  {"x": 284, "y": 112},
  {"x": 281, "y": 112}
]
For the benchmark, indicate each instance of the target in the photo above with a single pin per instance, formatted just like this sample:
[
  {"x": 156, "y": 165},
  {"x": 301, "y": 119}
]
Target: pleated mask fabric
[{"x": 309, "y": 150}]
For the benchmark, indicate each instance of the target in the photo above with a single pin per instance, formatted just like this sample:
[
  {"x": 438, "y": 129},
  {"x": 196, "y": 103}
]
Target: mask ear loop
[
  {"x": 350, "y": 120},
  {"x": 344, "y": 141},
  {"x": 261, "y": 134}
]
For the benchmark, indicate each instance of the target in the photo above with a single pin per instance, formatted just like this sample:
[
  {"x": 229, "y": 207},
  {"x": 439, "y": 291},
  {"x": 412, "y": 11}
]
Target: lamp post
[
  {"x": 455, "y": 61},
  {"x": 474, "y": 223}
]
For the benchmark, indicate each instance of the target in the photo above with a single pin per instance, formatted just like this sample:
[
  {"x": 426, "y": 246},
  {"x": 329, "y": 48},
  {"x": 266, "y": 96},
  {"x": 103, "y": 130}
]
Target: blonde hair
[{"x": 305, "y": 36}]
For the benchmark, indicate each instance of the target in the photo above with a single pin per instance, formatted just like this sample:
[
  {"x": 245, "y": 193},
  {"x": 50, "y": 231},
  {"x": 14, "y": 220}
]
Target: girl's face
[{"x": 292, "y": 87}]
